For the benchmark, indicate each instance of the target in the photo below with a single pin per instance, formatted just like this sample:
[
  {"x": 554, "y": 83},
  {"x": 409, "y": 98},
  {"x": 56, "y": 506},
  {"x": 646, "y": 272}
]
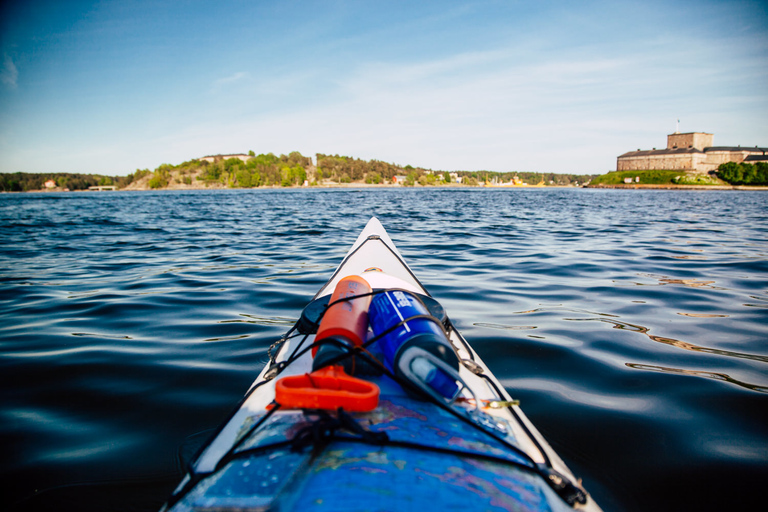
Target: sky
[{"x": 108, "y": 87}]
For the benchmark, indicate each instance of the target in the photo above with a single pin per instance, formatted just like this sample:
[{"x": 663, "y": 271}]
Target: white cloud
[
  {"x": 9, "y": 75},
  {"x": 227, "y": 80}
]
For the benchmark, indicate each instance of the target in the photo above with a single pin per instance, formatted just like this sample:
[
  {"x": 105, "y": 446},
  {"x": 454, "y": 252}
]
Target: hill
[{"x": 269, "y": 170}]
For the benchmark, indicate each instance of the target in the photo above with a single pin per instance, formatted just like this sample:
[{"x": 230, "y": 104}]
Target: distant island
[
  {"x": 641, "y": 169},
  {"x": 249, "y": 170}
]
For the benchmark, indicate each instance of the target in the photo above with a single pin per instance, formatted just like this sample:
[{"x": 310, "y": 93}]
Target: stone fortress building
[{"x": 691, "y": 152}]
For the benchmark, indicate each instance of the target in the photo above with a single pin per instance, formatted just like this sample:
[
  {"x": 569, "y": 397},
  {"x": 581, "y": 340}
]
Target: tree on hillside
[
  {"x": 292, "y": 176},
  {"x": 744, "y": 173}
]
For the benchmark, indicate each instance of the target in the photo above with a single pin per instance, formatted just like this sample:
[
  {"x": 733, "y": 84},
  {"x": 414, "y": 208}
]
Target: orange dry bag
[{"x": 344, "y": 324}]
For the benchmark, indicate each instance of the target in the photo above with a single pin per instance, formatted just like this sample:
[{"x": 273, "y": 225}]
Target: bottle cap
[
  {"x": 428, "y": 372},
  {"x": 433, "y": 343}
]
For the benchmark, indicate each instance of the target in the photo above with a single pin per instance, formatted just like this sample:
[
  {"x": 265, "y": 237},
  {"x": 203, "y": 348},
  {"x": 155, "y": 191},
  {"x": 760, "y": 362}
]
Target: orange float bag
[{"x": 346, "y": 322}]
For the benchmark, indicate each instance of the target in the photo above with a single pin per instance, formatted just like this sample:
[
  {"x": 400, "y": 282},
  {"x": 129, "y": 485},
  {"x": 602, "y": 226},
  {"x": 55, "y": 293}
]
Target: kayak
[{"x": 398, "y": 412}]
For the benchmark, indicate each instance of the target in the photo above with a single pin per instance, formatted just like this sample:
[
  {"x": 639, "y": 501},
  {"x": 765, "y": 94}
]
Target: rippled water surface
[{"x": 633, "y": 326}]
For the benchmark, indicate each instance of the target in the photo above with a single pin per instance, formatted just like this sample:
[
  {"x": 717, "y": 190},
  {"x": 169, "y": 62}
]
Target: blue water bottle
[{"x": 418, "y": 350}]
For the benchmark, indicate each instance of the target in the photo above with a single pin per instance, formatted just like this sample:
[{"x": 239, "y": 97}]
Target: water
[{"x": 632, "y": 325}]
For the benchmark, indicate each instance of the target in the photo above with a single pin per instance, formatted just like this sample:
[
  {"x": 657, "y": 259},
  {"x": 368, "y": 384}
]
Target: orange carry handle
[{"x": 327, "y": 388}]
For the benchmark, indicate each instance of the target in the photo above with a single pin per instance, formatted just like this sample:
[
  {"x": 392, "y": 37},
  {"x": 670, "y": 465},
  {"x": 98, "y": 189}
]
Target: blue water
[{"x": 632, "y": 325}]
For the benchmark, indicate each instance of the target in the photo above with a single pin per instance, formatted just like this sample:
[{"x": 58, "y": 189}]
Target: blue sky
[{"x": 112, "y": 86}]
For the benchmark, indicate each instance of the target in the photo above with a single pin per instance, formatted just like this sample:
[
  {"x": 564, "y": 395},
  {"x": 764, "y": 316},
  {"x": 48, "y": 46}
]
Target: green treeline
[
  {"x": 744, "y": 174},
  {"x": 294, "y": 169},
  {"x": 344, "y": 169},
  {"x": 26, "y": 181},
  {"x": 258, "y": 171},
  {"x": 290, "y": 170},
  {"x": 531, "y": 178}
]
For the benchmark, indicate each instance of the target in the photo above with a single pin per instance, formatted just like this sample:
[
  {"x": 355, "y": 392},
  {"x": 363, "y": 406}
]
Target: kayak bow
[{"x": 378, "y": 440}]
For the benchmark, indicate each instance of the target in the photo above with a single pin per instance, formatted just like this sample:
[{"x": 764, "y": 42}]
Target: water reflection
[
  {"x": 691, "y": 283},
  {"x": 260, "y": 320},
  {"x": 699, "y": 373},
  {"x": 505, "y": 327},
  {"x": 671, "y": 341},
  {"x": 229, "y": 338},
  {"x": 561, "y": 308},
  {"x": 94, "y": 335}
]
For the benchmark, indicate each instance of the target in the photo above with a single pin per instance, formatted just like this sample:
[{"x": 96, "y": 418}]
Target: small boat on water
[{"x": 373, "y": 400}]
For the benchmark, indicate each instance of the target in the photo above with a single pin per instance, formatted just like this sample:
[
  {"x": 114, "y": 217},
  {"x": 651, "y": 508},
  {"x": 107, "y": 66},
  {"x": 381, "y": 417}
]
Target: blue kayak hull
[{"x": 430, "y": 461}]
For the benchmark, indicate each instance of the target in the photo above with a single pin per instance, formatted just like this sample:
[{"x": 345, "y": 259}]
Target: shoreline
[
  {"x": 671, "y": 186},
  {"x": 454, "y": 186},
  {"x": 177, "y": 187}
]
